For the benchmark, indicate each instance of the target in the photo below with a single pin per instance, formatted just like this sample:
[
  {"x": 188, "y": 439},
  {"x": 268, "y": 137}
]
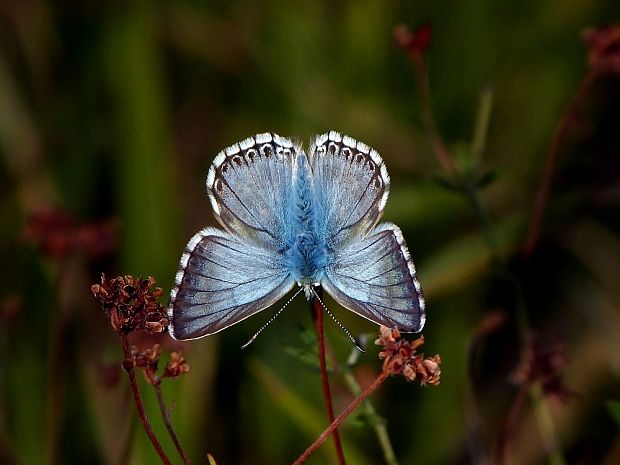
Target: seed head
[
  {"x": 131, "y": 303},
  {"x": 400, "y": 358}
]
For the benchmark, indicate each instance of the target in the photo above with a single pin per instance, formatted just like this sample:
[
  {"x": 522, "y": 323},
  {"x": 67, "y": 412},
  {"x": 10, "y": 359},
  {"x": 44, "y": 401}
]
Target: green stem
[
  {"x": 481, "y": 128},
  {"x": 483, "y": 217},
  {"x": 545, "y": 424},
  {"x": 378, "y": 423}
]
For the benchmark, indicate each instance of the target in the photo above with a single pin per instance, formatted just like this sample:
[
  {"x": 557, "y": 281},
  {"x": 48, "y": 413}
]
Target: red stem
[
  {"x": 327, "y": 397},
  {"x": 131, "y": 372},
  {"x": 338, "y": 421},
  {"x": 542, "y": 195},
  {"x": 166, "y": 416}
]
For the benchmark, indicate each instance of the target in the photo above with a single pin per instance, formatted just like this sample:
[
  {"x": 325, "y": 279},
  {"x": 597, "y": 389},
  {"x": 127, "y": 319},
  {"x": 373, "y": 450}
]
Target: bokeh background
[{"x": 110, "y": 115}]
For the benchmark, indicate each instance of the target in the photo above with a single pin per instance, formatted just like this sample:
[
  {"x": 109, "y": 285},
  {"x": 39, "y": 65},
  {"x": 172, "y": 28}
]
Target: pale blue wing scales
[
  {"x": 222, "y": 281},
  {"x": 249, "y": 185},
  {"x": 351, "y": 186},
  {"x": 375, "y": 277}
]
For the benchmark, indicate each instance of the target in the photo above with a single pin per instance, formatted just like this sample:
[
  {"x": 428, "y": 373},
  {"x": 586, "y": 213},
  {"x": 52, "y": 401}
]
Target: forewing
[
  {"x": 249, "y": 185},
  {"x": 375, "y": 278},
  {"x": 222, "y": 281},
  {"x": 351, "y": 185}
]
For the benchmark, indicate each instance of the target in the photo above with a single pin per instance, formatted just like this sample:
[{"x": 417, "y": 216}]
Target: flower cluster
[
  {"x": 604, "y": 44},
  {"x": 400, "y": 358},
  {"x": 148, "y": 361},
  {"x": 416, "y": 42},
  {"x": 58, "y": 234},
  {"x": 542, "y": 361},
  {"x": 131, "y": 303}
]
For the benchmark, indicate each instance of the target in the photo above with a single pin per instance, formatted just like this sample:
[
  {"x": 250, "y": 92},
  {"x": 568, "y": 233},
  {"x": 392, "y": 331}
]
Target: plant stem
[
  {"x": 440, "y": 150},
  {"x": 469, "y": 190},
  {"x": 443, "y": 155},
  {"x": 545, "y": 424},
  {"x": 378, "y": 423},
  {"x": 566, "y": 123},
  {"x": 131, "y": 372},
  {"x": 338, "y": 421},
  {"x": 317, "y": 309},
  {"x": 482, "y": 125},
  {"x": 166, "y": 416}
]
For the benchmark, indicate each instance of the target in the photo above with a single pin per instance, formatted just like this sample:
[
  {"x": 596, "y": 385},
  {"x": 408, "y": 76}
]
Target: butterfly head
[{"x": 308, "y": 290}]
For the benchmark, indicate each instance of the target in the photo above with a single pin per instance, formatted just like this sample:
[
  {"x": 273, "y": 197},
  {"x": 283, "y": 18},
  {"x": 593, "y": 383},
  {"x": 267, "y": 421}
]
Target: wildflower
[
  {"x": 131, "y": 303},
  {"x": 400, "y": 358}
]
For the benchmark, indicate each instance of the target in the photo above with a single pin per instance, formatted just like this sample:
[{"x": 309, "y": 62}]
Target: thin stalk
[
  {"x": 545, "y": 424},
  {"x": 317, "y": 309},
  {"x": 378, "y": 423},
  {"x": 166, "y": 416},
  {"x": 446, "y": 160},
  {"x": 440, "y": 150},
  {"x": 481, "y": 128},
  {"x": 542, "y": 195},
  {"x": 483, "y": 217},
  {"x": 338, "y": 421},
  {"x": 131, "y": 372}
]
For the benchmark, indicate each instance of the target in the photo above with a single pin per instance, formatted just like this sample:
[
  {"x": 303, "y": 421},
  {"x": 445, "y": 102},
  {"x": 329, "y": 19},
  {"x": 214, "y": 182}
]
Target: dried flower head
[
  {"x": 147, "y": 360},
  {"x": 131, "y": 303},
  {"x": 604, "y": 44},
  {"x": 542, "y": 361},
  {"x": 57, "y": 233},
  {"x": 176, "y": 366},
  {"x": 400, "y": 358},
  {"x": 416, "y": 42}
]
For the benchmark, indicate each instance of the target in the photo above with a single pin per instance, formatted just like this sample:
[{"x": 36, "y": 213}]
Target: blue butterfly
[{"x": 295, "y": 219}]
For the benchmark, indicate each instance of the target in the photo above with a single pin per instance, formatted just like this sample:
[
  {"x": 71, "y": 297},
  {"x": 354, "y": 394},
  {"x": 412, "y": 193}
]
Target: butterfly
[{"x": 292, "y": 218}]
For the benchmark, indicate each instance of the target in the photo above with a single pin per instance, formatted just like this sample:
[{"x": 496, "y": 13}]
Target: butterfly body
[
  {"x": 295, "y": 219},
  {"x": 306, "y": 255}
]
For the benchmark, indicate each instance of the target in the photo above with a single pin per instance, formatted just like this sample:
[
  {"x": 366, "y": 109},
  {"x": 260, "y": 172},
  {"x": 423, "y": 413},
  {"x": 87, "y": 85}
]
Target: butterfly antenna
[
  {"x": 340, "y": 325},
  {"x": 271, "y": 319}
]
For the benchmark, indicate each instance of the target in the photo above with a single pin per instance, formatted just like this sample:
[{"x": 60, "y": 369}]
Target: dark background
[{"x": 110, "y": 116}]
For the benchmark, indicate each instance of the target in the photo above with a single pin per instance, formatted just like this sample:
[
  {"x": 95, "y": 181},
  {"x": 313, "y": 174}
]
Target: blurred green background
[{"x": 113, "y": 111}]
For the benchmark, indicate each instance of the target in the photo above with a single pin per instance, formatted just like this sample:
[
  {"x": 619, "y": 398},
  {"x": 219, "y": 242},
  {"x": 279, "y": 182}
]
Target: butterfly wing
[
  {"x": 375, "y": 277},
  {"x": 249, "y": 185},
  {"x": 351, "y": 185},
  {"x": 221, "y": 281}
]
